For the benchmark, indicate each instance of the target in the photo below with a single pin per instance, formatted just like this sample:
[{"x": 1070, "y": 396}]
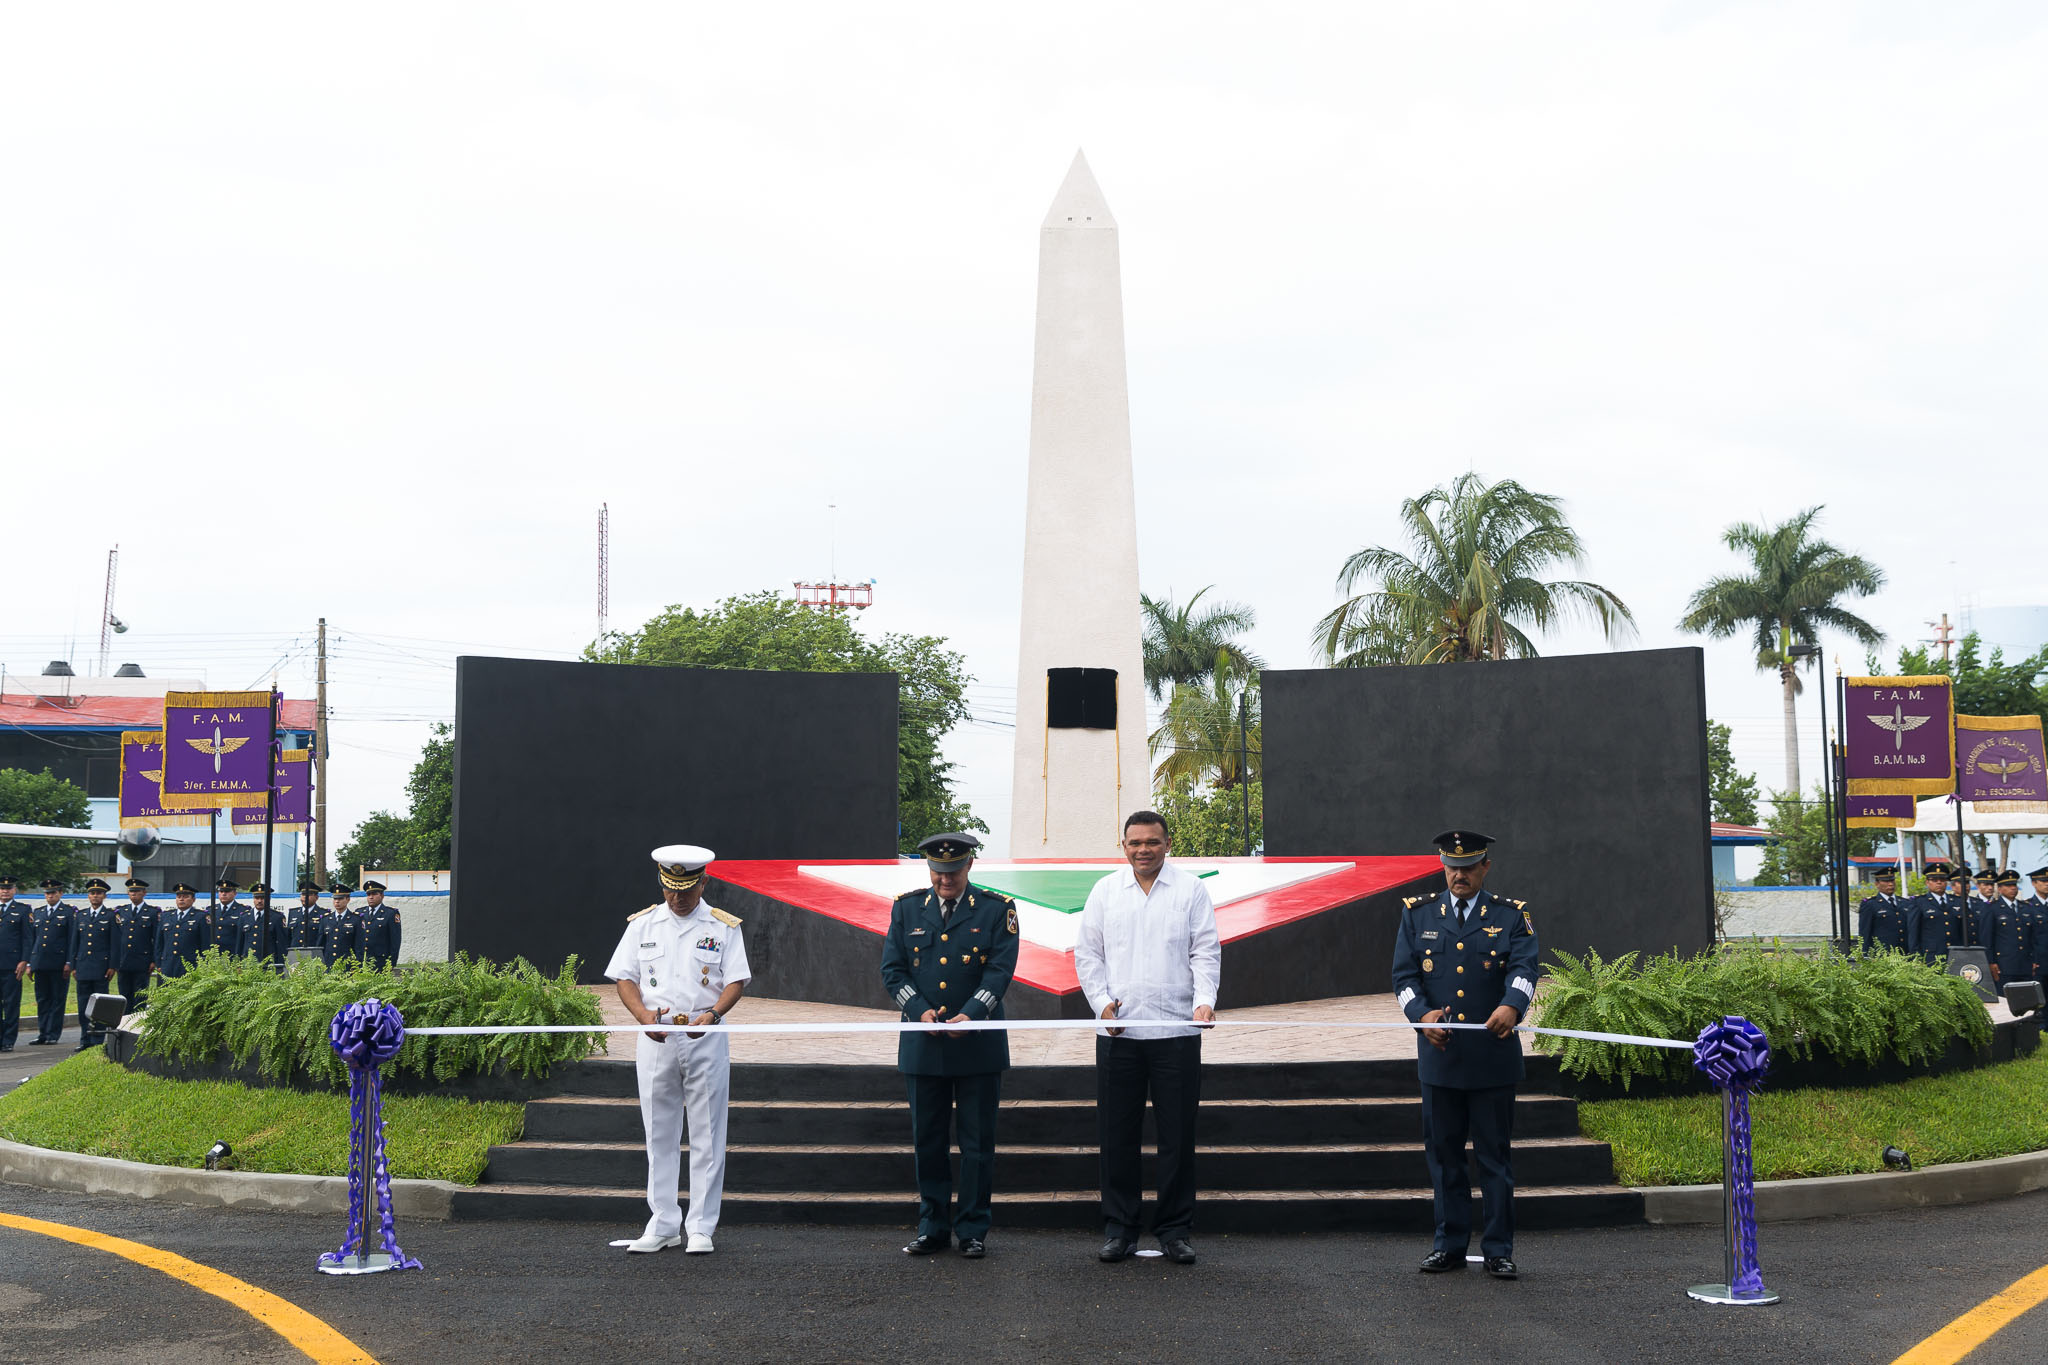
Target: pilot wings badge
[
  {"x": 1898, "y": 724},
  {"x": 217, "y": 747}
]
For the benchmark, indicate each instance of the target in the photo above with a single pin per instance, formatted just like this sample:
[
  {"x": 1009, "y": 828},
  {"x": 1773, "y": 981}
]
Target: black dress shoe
[
  {"x": 925, "y": 1245},
  {"x": 1502, "y": 1267},
  {"x": 39, "y": 1042},
  {"x": 1179, "y": 1250},
  {"x": 1437, "y": 1262},
  {"x": 1115, "y": 1249},
  {"x": 972, "y": 1249}
]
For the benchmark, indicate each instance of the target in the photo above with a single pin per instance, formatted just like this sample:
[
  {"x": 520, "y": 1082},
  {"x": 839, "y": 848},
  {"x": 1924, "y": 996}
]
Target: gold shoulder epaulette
[
  {"x": 649, "y": 910},
  {"x": 1409, "y": 902},
  {"x": 729, "y": 921},
  {"x": 1519, "y": 905}
]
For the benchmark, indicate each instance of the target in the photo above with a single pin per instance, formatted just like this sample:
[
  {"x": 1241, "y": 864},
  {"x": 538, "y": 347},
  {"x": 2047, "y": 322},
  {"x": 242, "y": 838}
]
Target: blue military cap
[
  {"x": 2009, "y": 878},
  {"x": 53, "y": 884},
  {"x": 259, "y": 888},
  {"x": 1886, "y": 874},
  {"x": 373, "y": 886},
  {"x": 949, "y": 852},
  {"x": 97, "y": 884},
  {"x": 2039, "y": 874},
  {"x": 308, "y": 884},
  {"x": 185, "y": 888},
  {"x": 1937, "y": 869},
  {"x": 134, "y": 882},
  {"x": 1462, "y": 847}
]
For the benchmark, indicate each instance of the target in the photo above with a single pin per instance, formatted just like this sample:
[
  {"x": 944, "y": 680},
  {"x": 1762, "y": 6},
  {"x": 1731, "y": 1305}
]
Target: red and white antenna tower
[
  {"x": 108, "y": 622},
  {"x": 832, "y": 595},
  {"x": 604, "y": 567}
]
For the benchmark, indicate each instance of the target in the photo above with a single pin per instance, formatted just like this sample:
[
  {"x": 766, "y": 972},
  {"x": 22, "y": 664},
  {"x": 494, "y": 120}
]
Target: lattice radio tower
[
  {"x": 604, "y": 568},
  {"x": 109, "y": 623}
]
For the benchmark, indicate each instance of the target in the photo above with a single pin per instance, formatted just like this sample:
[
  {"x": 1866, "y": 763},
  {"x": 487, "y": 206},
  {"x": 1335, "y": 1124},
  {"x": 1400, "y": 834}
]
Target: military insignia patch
[
  {"x": 1528, "y": 923},
  {"x": 1427, "y": 965},
  {"x": 1013, "y": 917}
]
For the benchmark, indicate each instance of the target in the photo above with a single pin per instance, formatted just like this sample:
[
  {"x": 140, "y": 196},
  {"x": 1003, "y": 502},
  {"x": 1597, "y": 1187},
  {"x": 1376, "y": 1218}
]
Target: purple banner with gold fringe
[
  {"x": 142, "y": 778},
  {"x": 2002, "y": 763},
  {"x": 217, "y": 750},
  {"x": 294, "y": 779},
  {"x": 1898, "y": 736},
  {"x": 1881, "y": 812}
]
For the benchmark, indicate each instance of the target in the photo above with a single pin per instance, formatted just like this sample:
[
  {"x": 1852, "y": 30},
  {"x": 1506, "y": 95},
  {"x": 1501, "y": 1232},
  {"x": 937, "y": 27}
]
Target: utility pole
[
  {"x": 1944, "y": 635},
  {"x": 320, "y": 763},
  {"x": 1244, "y": 769}
]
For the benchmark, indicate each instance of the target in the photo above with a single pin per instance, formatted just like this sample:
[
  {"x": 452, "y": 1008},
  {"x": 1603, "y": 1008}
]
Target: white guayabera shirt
[{"x": 1157, "y": 954}]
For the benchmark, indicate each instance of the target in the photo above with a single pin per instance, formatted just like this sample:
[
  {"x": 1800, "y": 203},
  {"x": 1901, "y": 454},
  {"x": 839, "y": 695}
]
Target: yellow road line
[
  {"x": 1977, "y": 1326},
  {"x": 320, "y": 1342}
]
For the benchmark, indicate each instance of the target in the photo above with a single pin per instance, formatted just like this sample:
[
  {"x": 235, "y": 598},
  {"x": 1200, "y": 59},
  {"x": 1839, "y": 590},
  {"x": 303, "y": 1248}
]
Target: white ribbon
[{"x": 1018, "y": 1025}]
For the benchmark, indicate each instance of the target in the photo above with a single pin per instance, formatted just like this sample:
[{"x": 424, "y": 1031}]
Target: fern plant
[
  {"x": 240, "y": 1006},
  {"x": 1852, "y": 1008}
]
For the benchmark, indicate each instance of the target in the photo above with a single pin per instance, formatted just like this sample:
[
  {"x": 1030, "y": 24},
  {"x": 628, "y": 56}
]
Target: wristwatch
[{"x": 717, "y": 1018}]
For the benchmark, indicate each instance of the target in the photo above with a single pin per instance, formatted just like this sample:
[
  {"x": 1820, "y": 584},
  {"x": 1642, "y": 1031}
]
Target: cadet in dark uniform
[
  {"x": 17, "y": 934},
  {"x": 229, "y": 924},
  {"x": 342, "y": 935},
  {"x": 1883, "y": 920},
  {"x": 1468, "y": 956},
  {"x": 951, "y": 951},
  {"x": 135, "y": 945},
  {"x": 2009, "y": 933},
  {"x": 266, "y": 926},
  {"x": 1982, "y": 904},
  {"x": 380, "y": 927},
  {"x": 307, "y": 926},
  {"x": 1937, "y": 918},
  {"x": 2037, "y": 906},
  {"x": 47, "y": 959},
  {"x": 91, "y": 958},
  {"x": 180, "y": 932}
]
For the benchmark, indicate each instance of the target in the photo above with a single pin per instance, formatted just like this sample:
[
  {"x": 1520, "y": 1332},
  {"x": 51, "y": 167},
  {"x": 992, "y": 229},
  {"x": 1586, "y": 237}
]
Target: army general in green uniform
[{"x": 951, "y": 951}]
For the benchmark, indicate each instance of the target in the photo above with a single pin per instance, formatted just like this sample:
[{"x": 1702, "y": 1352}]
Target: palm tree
[
  {"x": 1788, "y": 595},
  {"x": 1471, "y": 588},
  {"x": 1198, "y": 741},
  {"x": 1181, "y": 644}
]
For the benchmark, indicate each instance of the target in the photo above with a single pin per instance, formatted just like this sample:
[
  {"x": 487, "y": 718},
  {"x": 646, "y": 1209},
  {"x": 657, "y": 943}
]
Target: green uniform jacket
[{"x": 961, "y": 968}]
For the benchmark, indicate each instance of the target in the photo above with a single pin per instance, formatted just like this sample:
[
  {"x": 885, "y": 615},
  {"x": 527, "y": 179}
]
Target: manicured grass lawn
[
  {"x": 1963, "y": 1116},
  {"x": 89, "y": 1104}
]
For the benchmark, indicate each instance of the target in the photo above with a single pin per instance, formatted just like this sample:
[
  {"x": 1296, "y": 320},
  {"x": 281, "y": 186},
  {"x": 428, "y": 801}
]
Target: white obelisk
[{"x": 1072, "y": 788}]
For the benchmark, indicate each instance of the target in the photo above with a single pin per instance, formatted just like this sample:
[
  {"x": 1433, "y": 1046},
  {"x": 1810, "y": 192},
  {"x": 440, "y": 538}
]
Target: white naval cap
[{"x": 682, "y": 865}]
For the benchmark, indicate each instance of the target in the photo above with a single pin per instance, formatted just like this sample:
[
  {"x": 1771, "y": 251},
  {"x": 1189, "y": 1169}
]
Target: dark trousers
[
  {"x": 51, "y": 985},
  {"x": 135, "y": 986},
  {"x": 10, "y": 1008},
  {"x": 1488, "y": 1118},
  {"x": 88, "y": 1034},
  {"x": 935, "y": 1101},
  {"x": 1127, "y": 1070}
]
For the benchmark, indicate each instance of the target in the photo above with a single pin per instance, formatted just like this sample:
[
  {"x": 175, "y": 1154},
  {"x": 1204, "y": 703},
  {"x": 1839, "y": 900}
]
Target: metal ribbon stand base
[
  {"x": 1735, "y": 1056},
  {"x": 367, "y": 1034}
]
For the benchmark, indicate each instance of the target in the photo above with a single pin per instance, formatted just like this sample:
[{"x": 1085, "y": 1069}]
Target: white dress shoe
[
  {"x": 653, "y": 1242},
  {"x": 700, "y": 1245}
]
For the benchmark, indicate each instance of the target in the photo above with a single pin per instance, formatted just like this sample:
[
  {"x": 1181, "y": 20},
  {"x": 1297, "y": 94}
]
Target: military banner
[
  {"x": 142, "y": 778},
  {"x": 1881, "y": 812},
  {"x": 2001, "y": 764},
  {"x": 1898, "y": 736},
  {"x": 217, "y": 750},
  {"x": 294, "y": 779}
]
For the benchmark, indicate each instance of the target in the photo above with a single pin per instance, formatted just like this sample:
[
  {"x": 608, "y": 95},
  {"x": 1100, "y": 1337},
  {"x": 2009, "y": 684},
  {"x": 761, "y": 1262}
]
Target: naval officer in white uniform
[{"x": 682, "y": 960}]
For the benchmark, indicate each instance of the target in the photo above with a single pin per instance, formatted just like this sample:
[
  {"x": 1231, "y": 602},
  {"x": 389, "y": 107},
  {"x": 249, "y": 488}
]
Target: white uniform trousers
[{"x": 681, "y": 1076}]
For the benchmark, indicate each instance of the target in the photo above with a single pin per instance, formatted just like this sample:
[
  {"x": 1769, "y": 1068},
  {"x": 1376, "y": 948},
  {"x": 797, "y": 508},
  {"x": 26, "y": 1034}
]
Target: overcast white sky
[{"x": 362, "y": 313}]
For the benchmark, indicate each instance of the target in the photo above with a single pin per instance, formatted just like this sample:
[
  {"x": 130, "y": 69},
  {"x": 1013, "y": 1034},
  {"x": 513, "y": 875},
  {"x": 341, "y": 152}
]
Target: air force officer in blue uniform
[
  {"x": 1468, "y": 956},
  {"x": 951, "y": 951}
]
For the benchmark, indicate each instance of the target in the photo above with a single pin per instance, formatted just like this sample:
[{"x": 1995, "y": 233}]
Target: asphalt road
[{"x": 1859, "y": 1289}]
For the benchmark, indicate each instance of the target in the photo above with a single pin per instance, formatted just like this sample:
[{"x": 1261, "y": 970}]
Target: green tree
[
  {"x": 1793, "y": 590},
  {"x": 1208, "y": 823},
  {"x": 1198, "y": 741},
  {"x": 420, "y": 840},
  {"x": 1798, "y": 852},
  {"x": 764, "y": 630},
  {"x": 380, "y": 841},
  {"x": 1985, "y": 687},
  {"x": 28, "y": 798},
  {"x": 1182, "y": 642},
  {"x": 1471, "y": 588},
  {"x": 1733, "y": 791}
]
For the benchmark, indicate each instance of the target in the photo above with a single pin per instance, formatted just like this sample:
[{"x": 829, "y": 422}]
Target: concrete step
[
  {"x": 1264, "y": 1210},
  {"x": 1224, "y": 1122},
  {"x": 1039, "y": 1167}
]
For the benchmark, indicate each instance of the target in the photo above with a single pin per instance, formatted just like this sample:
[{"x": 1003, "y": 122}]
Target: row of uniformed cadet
[{"x": 2012, "y": 929}]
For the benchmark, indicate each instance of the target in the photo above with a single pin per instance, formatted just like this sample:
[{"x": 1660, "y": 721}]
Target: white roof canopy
[{"x": 1937, "y": 815}]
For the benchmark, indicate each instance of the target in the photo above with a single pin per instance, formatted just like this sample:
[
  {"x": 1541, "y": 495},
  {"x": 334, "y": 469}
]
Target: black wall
[
  {"x": 1590, "y": 770},
  {"x": 567, "y": 775}
]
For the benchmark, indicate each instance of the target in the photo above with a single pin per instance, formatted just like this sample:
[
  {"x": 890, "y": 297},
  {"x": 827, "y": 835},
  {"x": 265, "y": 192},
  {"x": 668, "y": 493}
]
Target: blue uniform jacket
[
  {"x": 52, "y": 946},
  {"x": 307, "y": 926},
  {"x": 342, "y": 936},
  {"x": 1937, "y": 923},
  {"x": 228, "y": 929},
  {"x": 134, "y": 936},
  {"x": 180, "y": 935},
  {"x": 1884, "y": 922},
  {"x": 17, "y": 933},
  {"x": 962, "y": 967},
  {"x": 267, "y": 933},
  {"x": 381, "y": 933},
  {"x": 2009, "y": 939},
  {"x": 1467, "y": 972},
  {"x": 92, "y": 943}
]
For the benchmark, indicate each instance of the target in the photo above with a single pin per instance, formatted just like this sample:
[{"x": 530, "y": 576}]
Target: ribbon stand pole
[
  {"x": 367, "y": 1034},
  {"x": 1735, "y": 1056}
]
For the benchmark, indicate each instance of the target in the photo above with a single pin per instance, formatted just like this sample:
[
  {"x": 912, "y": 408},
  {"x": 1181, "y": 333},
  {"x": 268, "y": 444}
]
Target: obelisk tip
[{"x": 1079, "y": 203}]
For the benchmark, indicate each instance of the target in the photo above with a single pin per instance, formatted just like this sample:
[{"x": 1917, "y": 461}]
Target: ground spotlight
[
  {"x": 216, "y": 1154},
  {"x": 1897, "y": 1159}
]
